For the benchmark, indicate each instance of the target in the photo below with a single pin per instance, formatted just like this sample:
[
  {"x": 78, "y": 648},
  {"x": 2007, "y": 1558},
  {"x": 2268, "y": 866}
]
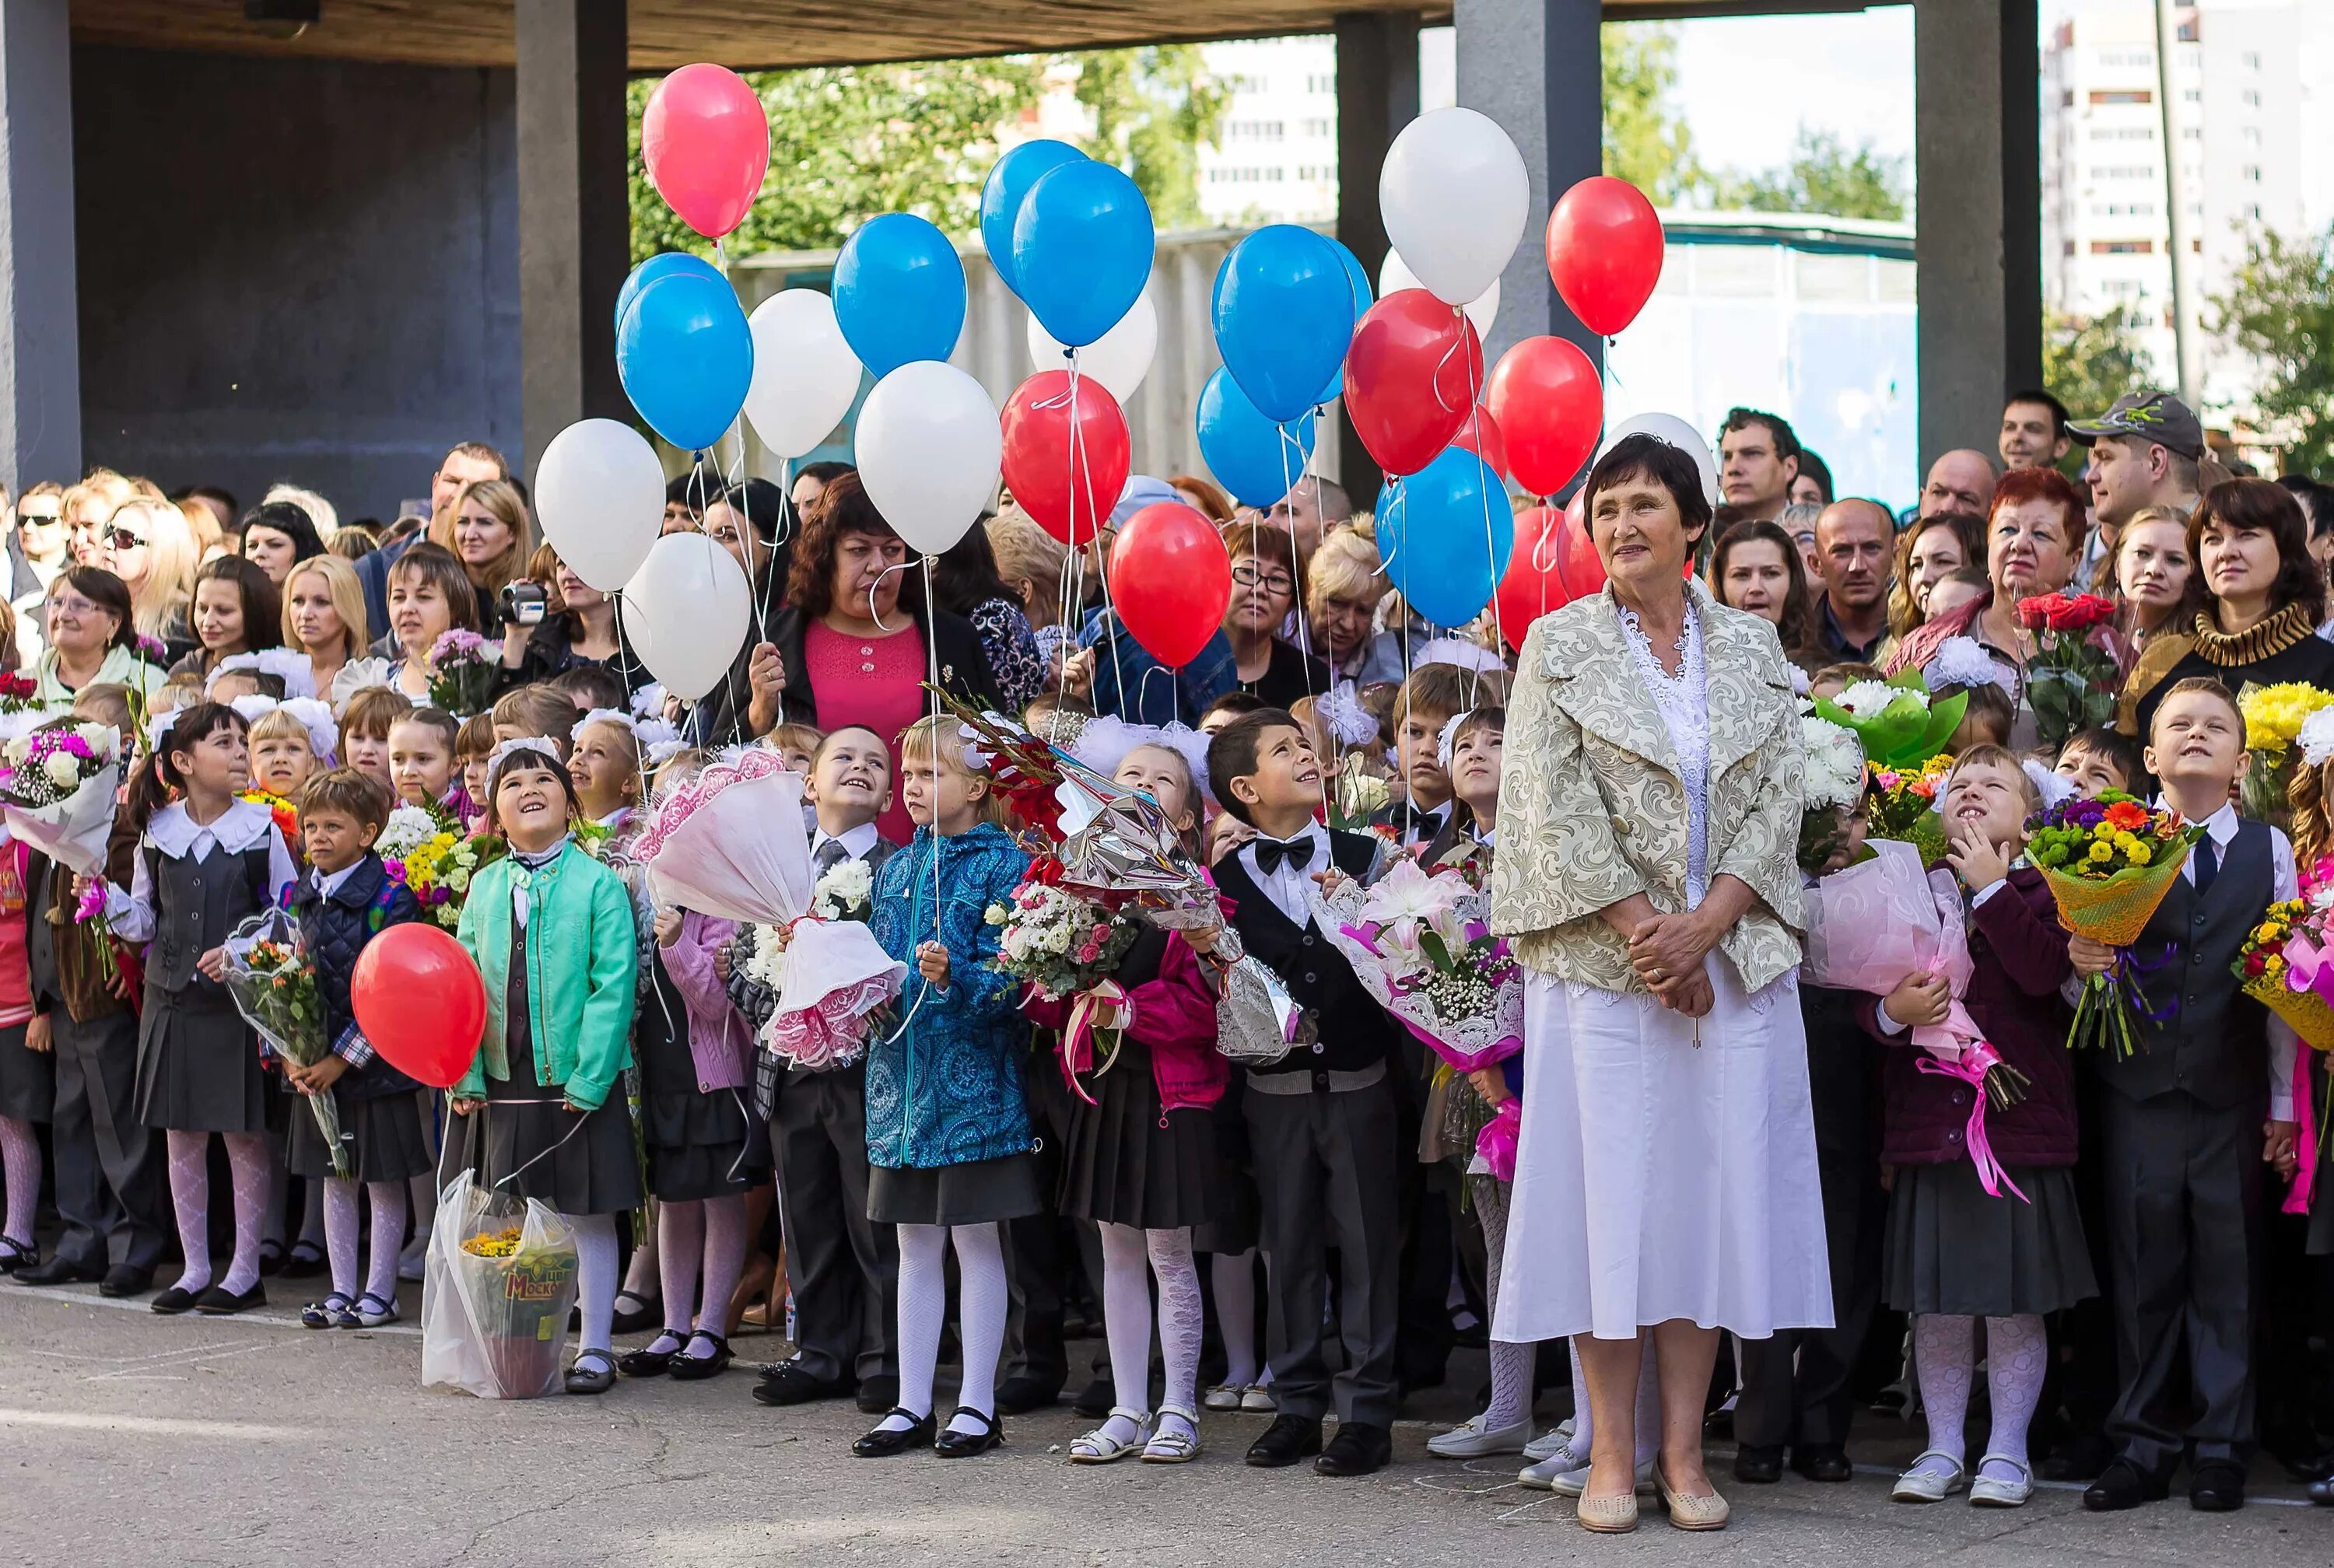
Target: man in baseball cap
[{"x": 2146, "y": 451}]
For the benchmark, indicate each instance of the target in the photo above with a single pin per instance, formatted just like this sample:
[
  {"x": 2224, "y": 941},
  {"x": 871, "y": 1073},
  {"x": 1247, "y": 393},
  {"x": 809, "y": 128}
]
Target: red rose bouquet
[{"x": 2070, "y": 681}]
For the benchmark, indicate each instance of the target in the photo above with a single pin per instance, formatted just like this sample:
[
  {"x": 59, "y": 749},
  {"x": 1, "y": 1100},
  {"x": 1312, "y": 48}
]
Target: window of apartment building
[
  {"x": 2250, "y": 98},
  {"x": 2123, "y": 133},
  {"x": 2252, "y": 172},
  {"x": 2123, "y": 247},
  {"x": 2252, "y": 59},
  {"x": 2123, "y": 171},
  {"x": 1318, "y": 81},
  {"x": 2103, "y": 96},
  {"x": 1320, "y": 125}
]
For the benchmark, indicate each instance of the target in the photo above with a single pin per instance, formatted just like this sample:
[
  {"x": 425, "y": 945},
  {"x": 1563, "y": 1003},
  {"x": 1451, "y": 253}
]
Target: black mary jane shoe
[
  {"x": 219, "y": 1302},
  {"x": 172, "y": 1301},
  {"x": 951, "y": 1444},
  {"x": 304, "y": 1261},
  {"x": 688, "y": 1369},
  {"x": 271, "y": 1259},
  {"x": 632, "y": 1319},
  {"x": 17, "y": 1254},
  {"x": 593, "y": 1371},
  {"x": 650, "y": 1363},
  {"x": 881, "y": 1443}
]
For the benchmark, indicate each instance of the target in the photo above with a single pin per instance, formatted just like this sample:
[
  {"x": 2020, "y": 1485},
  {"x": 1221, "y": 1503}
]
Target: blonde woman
[
  {"x": 324, "y": 618},
  {"x": 148, "y": 545},
  {"x": 1343, "y": 587},
  {"x": 489, "y": 530},
  {"x": 86, "y": 508},
  {"x": 1030, "y": 562}
]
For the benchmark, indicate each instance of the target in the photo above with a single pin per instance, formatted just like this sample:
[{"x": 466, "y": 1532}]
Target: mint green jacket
[{"x": 580, "y": 958}]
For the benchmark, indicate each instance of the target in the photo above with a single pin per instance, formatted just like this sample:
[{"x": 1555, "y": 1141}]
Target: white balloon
[
  {"x": 1119, "y": 358},
  {"x": 599, "y": 492},
  {"x": 685, "y": 612},
  {"x": 805, "y": 374},
  {"x": 1677, "y": 433},
  {"x": 1482, "y": 310},
  {"x": 1455, "y": 197},
  {"x": 927, "y": 446}
]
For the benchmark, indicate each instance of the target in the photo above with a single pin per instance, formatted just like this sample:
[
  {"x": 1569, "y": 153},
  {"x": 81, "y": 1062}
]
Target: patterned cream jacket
[{"x": 1592, "y": 808}]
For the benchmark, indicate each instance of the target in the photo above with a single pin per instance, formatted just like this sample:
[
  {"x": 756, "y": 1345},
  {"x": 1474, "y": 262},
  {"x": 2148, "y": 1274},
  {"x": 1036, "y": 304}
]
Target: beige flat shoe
[
  {"x": 1686, "y": 1513},
  {"x": 1609, "y": 1515}
]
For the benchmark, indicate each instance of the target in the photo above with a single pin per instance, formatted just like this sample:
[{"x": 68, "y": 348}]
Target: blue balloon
[
  {"x": 1364, "y": 298},
  {"x": 664, "y": 264},
  {"x": 1254, "y": 458},
  {"x": 1446, "y": 533},
  {"x": 898, "y": 293},
  {"x": 686, "y": 357},
  {"x": 1283, "y": 313},
  {"x": 1009, "y": 179},
  {"x": 1082, "y": 246}
]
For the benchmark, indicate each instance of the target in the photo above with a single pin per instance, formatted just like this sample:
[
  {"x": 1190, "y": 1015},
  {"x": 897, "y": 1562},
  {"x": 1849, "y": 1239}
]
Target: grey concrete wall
[
  {"x": 294, "y": 269},
  {"x": 40, "y": 385}
]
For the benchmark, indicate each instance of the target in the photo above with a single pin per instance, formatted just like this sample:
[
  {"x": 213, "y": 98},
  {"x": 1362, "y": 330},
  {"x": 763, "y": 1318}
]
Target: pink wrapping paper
[{"x": 1872, "y": 925}]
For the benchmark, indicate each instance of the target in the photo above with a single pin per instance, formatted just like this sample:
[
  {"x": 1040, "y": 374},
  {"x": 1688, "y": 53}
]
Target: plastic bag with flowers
[
  {"x": 2110, "y": 862},
  {"x": 462, "y": 670},
  {"x": 58, "y": 783},
  {"x": 1895, "y": 721},
  {"x": 274, "y": 983},
  {"x": 496, "y": 1289},
  {"x": 2287, "y": 965},
  {"x": 438, "y": 870},
  {"x": 2072, "y": 680},
  {"x": 1422, "y": 946},
  {"x": 2275, "y": 717}
]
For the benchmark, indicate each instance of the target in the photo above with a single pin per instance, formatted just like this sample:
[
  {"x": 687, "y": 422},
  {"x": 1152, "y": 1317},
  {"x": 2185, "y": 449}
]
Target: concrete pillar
[
  {"x": 40, "y": 327},
  {"x": 1537, "y": 67},
  {"x": 575, "y": 220},
  {"x": 1378, "y": 95},
  {"x": 1977, "y": 178}
]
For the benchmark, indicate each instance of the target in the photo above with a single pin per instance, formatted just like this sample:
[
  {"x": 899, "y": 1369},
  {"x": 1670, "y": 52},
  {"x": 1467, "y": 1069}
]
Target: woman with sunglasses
[
  {"x": 1267, "y": 584},
  {"x": 148, "y": 544},
  {"x": 93, "y": 641}
]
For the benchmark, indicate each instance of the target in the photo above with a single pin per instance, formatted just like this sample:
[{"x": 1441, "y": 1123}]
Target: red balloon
[
  {"x": 706, "y": 141},
  {"x": 1171, "y": 580},
  {"x": 420, "y": 1001},
  {"x": 1412, "y": 377},
  {"x": 1554, "y": 563},
  {"x": 1549, "y": 403},
  {"x": 1604, "y": 252},
  {"x": 1067, "y": 486},
  {"x": 1480, "y": 434}
]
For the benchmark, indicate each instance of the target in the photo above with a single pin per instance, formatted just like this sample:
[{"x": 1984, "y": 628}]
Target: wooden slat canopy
[{"x": 665, "y": 34}]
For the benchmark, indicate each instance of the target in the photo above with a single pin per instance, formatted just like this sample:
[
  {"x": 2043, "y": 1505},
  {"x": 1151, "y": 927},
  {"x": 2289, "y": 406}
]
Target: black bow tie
[{"x": 1296, "y": 853}]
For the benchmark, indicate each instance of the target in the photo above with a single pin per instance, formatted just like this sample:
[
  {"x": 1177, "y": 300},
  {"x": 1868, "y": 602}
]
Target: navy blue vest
[{"x": 2213, "y": 1043}]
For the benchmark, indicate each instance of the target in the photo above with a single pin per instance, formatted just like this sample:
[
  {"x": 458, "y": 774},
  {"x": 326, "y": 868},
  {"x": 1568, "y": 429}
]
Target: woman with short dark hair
[{"x": 90, "y": 628}]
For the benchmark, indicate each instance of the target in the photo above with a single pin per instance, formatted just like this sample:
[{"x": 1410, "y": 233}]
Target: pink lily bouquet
[
  {"x": 462, "y": 668},
  {"x": 1422, "y": 945}
]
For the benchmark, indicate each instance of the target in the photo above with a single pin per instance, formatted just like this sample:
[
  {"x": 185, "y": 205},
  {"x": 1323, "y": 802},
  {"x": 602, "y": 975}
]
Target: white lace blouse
[{"x": 1684, "y": 707}]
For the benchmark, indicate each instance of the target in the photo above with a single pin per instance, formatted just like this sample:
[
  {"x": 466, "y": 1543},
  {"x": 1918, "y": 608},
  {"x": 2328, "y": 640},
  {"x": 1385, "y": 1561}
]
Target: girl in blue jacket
[{"x": 947, "y": 1130}]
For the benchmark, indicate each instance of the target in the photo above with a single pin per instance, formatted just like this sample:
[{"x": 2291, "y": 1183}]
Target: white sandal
[
  {"x": 1173, "y": 1445},
  {"x": 1099, "y": 1447}
]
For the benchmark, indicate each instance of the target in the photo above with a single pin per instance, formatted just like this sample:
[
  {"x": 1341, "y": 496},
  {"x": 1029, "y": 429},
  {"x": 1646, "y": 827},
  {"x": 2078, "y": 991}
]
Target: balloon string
[
  {"x": 1490, "y": 544},
  {"x": 1289, "y": 484},
  {"x": 932, "y": 662},
  {"x": 1474, "y": 365},
  {"x": 876, "y": 615}
]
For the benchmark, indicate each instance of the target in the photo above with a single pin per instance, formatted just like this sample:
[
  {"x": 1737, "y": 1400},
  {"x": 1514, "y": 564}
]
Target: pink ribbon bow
[
  {"x": 1077, "y": 1040},
  {"x": 1497, "y": 1143},
  {"x": 2308, "y": 967},
  {"x": 1971, "y": 1069}
]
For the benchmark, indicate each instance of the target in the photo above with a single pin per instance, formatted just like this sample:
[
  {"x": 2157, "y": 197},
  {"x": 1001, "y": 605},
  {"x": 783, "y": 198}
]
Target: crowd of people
[{"x": 1741, "y": 1198}]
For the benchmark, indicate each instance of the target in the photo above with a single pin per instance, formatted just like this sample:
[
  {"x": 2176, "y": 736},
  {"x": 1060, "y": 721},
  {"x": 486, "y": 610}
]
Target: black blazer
[{"x": 1355, "y": 1032}]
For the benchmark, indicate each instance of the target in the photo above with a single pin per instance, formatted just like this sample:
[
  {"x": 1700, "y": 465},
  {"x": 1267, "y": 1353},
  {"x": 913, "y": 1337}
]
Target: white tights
[
  {"x": 190, "y": 1197},
  {"x": 1129, "y": 1259},
  {"x": 1233, "y": 1274},
  {"x": 596, "y": 1276},
  {"x": 700, "y": 1236},
  {"x": 923, "y": 1304},
  {"x": 1945, "y": 1354},
  {"x": 341, "y": 1227}
]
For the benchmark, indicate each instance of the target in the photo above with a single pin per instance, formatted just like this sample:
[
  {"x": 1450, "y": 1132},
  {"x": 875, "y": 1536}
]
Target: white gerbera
[
  {"x": 1960, "y": 661},
  {"x": 2316, "y": 738},
  {"x": 1835, "y": 767},
  {"x": 1869, "y": 698}
]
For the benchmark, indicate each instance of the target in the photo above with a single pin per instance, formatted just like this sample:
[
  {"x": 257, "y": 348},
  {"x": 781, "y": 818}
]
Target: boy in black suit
[{"x": 1323, "y": 1121}]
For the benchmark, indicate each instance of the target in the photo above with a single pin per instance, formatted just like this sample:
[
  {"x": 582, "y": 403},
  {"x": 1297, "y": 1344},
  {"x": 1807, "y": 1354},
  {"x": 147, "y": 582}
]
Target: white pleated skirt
[{"x": 1657, "y": 1178}]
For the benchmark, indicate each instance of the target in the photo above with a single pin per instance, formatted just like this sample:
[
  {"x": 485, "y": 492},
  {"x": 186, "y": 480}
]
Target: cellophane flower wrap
[
  {"x": 730, "y": 843},
  {"x": 59, "y": 784},
  {"x": 286, "y": 816},
  {"x": 2274, "y": 718},
  {"x": 1422, "y": 945},
  {"x": 2071, "y": 682},
  {"x": 1361, "y": 791},
  {"x": 1895, "y": 721},
  {"x": 463, "y": 665},
  {"x": 498, "y": 1287},
  {"x": 2287, "y": 965},
  {"x": 1882, "y": 921},
  {"x": 2110, "y": 861},
  {"x": 274, "y": 983}
]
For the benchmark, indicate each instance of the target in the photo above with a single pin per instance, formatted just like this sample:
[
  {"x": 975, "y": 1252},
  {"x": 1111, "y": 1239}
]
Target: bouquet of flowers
[
  {"x": 834, "y": 986},
  {"x": 1880, "y": 922},
  {"x": 59, "y": 784},
  {"x": 1904, "y": 807},
  {"x": 2070, "y": 681},
  {"x": 1895, "y": 721},
  {"x": 845, "y": 891},
  {"x": 18, "y": 693},
  {"x": 1359, "y": 793},
  {"x": 2110, "y": 861},
  {"x": 462, "y": 670},
  {"x": 497, "y": 1286},
  {"x": 2275, "y": 717},
  {"x": 438, "y": 870},
  {"x": 1832, "y": 783},
  {"x": 2286, "y": 966},
  {"x": 274, "y": 984},
  {"x": 287, "y": 817},
  {"x": 1054, "y": 941},
  {"x": 408, "y": 829}
]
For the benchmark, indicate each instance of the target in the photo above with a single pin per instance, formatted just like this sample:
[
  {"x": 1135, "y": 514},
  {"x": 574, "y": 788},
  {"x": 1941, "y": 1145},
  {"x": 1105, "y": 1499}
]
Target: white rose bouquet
[{"x": 59, "y": 784}]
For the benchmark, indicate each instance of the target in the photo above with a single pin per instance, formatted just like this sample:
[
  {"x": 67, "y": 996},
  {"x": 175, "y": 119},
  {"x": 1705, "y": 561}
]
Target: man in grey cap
[{"x": 2147, "y": 450}]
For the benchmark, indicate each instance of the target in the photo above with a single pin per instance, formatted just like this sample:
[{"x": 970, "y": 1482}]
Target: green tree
[
  {"x": 1824, "y": 176},
  {"x": 2088, "y": 362},
  {"x": 1152, "y": 107},
  {"x": 1646, "y": 142},
  {"x": 2279, "y": 309},
  {"x": 850, "y": 142}
]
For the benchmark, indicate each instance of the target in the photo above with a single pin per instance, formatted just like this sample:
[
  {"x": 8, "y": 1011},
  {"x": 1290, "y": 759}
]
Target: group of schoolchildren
[{"x": 620, "y": 1068}]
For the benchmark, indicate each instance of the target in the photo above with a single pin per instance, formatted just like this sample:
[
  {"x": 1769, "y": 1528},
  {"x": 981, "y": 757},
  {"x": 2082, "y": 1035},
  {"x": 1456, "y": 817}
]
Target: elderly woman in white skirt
[{"x": 1649, "y": 812}]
